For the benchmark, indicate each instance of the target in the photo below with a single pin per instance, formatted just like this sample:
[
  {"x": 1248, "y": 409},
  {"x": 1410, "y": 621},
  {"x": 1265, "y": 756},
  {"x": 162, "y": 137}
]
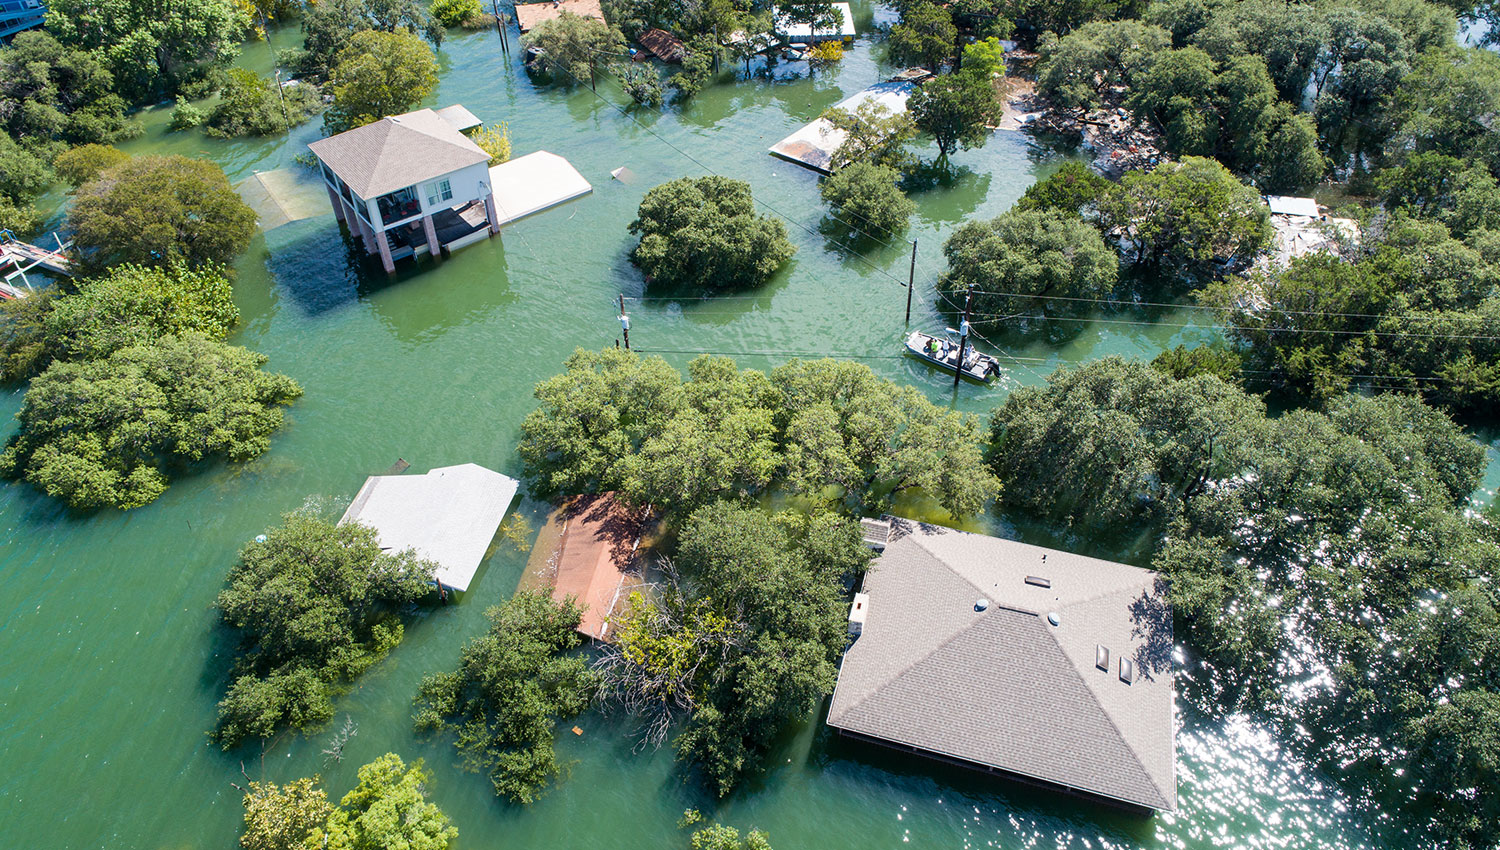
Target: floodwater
[{"x": 110, "y": 659}]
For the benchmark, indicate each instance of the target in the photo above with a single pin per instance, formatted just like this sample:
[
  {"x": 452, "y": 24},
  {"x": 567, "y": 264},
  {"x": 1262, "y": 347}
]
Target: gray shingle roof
[
  {"x": 1002, "y": 687},
  {"x": 396, "y": 152}
]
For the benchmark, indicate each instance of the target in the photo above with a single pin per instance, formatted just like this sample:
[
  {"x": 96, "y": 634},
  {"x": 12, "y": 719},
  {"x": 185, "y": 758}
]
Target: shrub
[
  {"x": 826, "y": 52},
  {"x": 451, "y": 13},
  {"x": 186, "y": 116},
  {"x": 253, "y": 106},
  {"x": 495, "y": 141}
]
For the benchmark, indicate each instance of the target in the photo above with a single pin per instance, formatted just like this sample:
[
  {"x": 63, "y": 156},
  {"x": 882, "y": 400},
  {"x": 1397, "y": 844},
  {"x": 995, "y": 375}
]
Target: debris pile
[{"x": 1118, "y": 143}]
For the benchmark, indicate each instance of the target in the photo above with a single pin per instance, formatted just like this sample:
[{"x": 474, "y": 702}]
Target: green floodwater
[{"x": 110, "y": 658}]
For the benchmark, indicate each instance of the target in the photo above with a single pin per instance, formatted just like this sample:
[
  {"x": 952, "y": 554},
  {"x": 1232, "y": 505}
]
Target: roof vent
[
  {"x": 1038, "y": 581},
  {"x": 981, "y": 604},
  {"x": 1101, "y": 657},
  {"x": 1127, "y": 671},
  {"x": 1054, "y": 618}
]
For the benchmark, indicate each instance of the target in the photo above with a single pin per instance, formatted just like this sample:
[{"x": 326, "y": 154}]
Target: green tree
[
  {"x": 378, "y": 74},
  {"x": 495, "y": 141},
  {"x": 24, "y": 176},
  {"x": 328, "y": 26},
  {"x": 869, "y": 199},
  {"x": 925, "y": 36},
  {"x": 1443, "y": 104},
  {"x": 186, "y": 115},
  {"x": 1183, "y": 362},
  {"x": 77, "y": 166},
  {"x": 1188, "y": 216},
  {"x": 314, "y": 605},
  {"x": 153, "y": 51},
  {"x": 641, "y": 82},
  {"x": 699, "y": 59},
  {"x": 512, "y": 686},
  {"x": 250, "y": 105},
  {"x": 129, "y": 306},
  {"x": 984, "y": 58},
  {"x": 957, "y": 109},
  {"x": 1366, "y": 58},
  {"x": 569, "y": 45},
  {"x": 107, "y": 432},
  {"x": 53, "y": 95},
  {"x": 873, "y": 133},
  {"x": 703, "y": 235},
  {"x": 282, "y": 817},
  {"x": 1078, "y": 68},
  {"x": 160, "y": 211},
  {"x": 388, "y": 809},
  {"x": 1033, "y": 254},
  {"x": 1072, "y": 189}
]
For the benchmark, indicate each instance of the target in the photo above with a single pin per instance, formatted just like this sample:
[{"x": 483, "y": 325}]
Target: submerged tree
[
  {"x": 314, "y": 604},
  {"x": 378, "y": 74},
  {"x": 110, "y": 432},
  {"x": 160, "y": 211},
  {"x": 868, "y": 199},
  {"x": 703, "y": 234},
  {"x": 569, "y": 46},
  {"x": 957, "y": 109},
  {"x": 511, "y": 688}
]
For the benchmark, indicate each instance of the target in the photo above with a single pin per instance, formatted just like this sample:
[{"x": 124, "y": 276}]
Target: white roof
[
  {"x": 1285, "y": 205},
  {"x": 534, "y": 182},
  {"x": 449, "y": 515},
  {"x": 815, "y": 144},
  {"x": 796, "y": 32}
]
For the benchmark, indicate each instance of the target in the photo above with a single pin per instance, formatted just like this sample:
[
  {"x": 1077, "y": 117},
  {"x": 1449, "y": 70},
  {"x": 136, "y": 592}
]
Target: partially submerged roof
[
  {"x": 460, "y": 117},
  {"x": 662, "y": 44},
  {"x": 1286, "y": 205},
  {"x": 814, "y": 145},
  {"x": 804, "y": 32},
  {"x": 958, "y": 657},
  {"x": 596, "y": 558},
  {"x": 449, "y": 515},
  {"x": 528, "y": 15},
  {"x": 534, "y": 182},
  {"x": 397, "y": 151}
]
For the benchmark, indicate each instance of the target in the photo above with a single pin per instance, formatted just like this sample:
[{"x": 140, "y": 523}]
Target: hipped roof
[
  {"x": 1002, "y": 687},
  {"x": 397, "y": 151}
]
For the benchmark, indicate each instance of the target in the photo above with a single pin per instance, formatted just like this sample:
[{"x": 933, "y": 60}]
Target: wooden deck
[{"x": 594, "y": 558}]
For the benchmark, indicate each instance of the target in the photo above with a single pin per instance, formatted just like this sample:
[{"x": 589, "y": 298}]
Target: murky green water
[{"x": 108, "y": 671}]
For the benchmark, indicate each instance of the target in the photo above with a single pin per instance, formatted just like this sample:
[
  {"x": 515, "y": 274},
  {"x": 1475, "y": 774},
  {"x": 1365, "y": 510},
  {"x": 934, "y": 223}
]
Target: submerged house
[
  {"x": 410, "y": 184},
  {"x": 1031, "y": 663}
]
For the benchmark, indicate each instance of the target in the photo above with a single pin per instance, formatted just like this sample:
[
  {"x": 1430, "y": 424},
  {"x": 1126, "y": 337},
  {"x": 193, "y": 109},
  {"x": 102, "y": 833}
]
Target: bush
[
  {"x": 826, "y": 53},
  {"x": 107, "y": 433},
  {"x": 495, "y": 141},
  {"x": 869, "y": 199},
  {"x": 160, "y": 211},
  {"x": 252, "y": 106},
  {"x": 452, "y": 13},
  {"x": 314, "y": 605},
  {"x": 703, "y": 234},
  {"x": 186, "y": 116}
]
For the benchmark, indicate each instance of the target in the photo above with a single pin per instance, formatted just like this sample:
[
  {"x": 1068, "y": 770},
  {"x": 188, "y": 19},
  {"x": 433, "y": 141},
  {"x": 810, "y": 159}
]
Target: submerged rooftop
[
  {"x": 449, "y": 515},
  {"x": 1030, "y": 662}
]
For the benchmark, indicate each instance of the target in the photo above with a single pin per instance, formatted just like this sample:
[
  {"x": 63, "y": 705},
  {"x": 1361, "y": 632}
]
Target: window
[{"x": 438, "y": 191}]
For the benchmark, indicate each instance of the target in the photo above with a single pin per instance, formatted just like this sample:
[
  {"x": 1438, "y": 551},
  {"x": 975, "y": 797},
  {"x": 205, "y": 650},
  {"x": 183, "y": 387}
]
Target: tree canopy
[
  {"x": 109, "y": 432},
  {"x": 54, "y": 95},
  {"x": 152, "y": 50},
  {"x": 314, "y": 605},
  {"x": 388, "y": 809},
  {"x": 1034, "y": 254},
  {"x": 957, "y": 109},
  {"x": 131, "y": 305},
  {"x": 160, "y": 211},
  {"x": 702, "y": 234},
  {"x": 250, "y": 105},
  {"x": 328, "y": 26},
  {"x": 925, "y": 36},
  {"x": 618, "y": 421},
  {"x": 511, "y": 688},
  {"x": 378, "y": 74},
  {"x": 569, "y": 45},
  {"x": 868, "y": 199}
]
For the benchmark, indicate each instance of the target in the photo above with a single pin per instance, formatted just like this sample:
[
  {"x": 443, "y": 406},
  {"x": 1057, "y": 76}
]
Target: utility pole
[
  {"x": 911, "y": 280},
  {"x": 285, "y": 118},
  {"x": 963, "y": 337},
  {"x": 624, "y": 322}
]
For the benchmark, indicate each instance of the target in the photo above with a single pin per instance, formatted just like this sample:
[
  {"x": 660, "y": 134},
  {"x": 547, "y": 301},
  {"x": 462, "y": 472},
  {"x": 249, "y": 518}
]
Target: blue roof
[{"x": 18, "y": 15}]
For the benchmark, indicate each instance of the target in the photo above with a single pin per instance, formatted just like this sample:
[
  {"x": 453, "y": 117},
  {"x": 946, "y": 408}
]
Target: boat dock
[{"x": 17, "y": 258}]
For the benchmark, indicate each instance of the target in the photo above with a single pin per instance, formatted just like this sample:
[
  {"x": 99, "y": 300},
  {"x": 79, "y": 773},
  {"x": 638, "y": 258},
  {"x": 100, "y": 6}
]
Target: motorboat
[{"x": 942, "y": 352}]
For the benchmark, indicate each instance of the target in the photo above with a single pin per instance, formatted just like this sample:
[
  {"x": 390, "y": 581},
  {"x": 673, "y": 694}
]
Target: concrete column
[
  {"x": 385, "y": 252},
  {"x": 338, "y": 203},
  {"x": 489, "y": 210},
  {"x": 366, "y": 235},
  {"x": 432, "y": 242}
]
